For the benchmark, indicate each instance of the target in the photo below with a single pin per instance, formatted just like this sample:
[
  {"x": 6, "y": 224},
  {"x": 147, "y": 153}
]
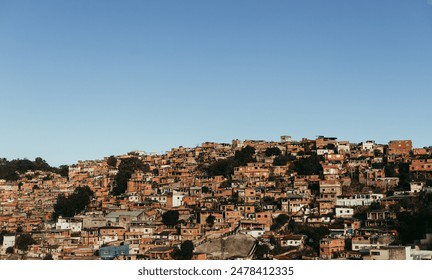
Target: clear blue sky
[{"x": 86, "y": 79}]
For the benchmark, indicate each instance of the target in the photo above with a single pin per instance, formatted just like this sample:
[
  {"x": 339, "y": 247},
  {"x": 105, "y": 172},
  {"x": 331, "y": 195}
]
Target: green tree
[
  {"x": 186, "y": 249},
  {"x": 404, "y": 176},
  {"x": 10, "y": 170},
  {"x": 244, "y": 156},
  {"x": 235, "y": 198},
  {"x": 222, "y": 167},
  {"x": 314, "y": 235},
  {"x": 48, "y": 257},
  {"x": 41, "y": 164},
  {"x": 69, "y": 206},
  {"x": 280, "y": 221},
  {"x": 225, "y": 167},
  {"x": 314, "y": 187},
  {"x": 205, "y": 189},
  {"x": 272, "y": 151},
  {"x": 413, "y": 225},
  {"x": 389, "y": 170},
  {"x": 23, "y": 241},
  {"x": 210, "y": 220},
  {"x": 112, "y": 161},
  {"x": 361, "y": 213},
  {"x": 261, "y": 251},
  {"x": 63, "y": 170},
  {"x": 269, "y": 200},
  {"x": 23, "y": 165},
  {"x": 126, "y": 168},
  {"x": 282, "y": 160},
  {"x": 170, "y": 218},
  {"x": 308, "y": 166},
  {"x": 330, "y": 146},
  {"x": 375, "y": 206}
]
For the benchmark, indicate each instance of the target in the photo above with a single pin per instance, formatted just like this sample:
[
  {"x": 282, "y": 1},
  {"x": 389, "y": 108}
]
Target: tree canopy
[
  {"x": 225, "y": 167},
  {"x": 308, "y": 166},
  {"x": 222, "y": 167},
  {"x": 170, "y": 218},
  {"x": 210, "y": 220},
  {"x": 112, "y": 161},
  {"x": 272, "y": 151},
  {"x": 281, "y": 160},
  {"x": 245, "y": 155},
  {"x": 206, "y": 189},
  {"x": 280, "y": 220},
  {"x": 63, "y": 170},
  {"x": 413, "y": 225},
  {"x": 185, "y": 252},
  {"x": 23, "y": 241},
  {"x": 10, "y": 170},
  {"x": 186, "y": 249},
  {"x": 126, "y": 168},
  {"x": 9, "y": 250},
  {"x": 314, "y": 234},
  {"x": 69, "y": 206},
  {"x": 48, "y": 257}
]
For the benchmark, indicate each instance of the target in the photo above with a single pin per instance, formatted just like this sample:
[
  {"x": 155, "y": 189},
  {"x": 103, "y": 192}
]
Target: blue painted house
[{"x": 112, "y": 252}]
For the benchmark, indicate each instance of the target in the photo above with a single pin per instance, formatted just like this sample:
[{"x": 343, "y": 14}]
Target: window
[{"x": 375, "y": 253}]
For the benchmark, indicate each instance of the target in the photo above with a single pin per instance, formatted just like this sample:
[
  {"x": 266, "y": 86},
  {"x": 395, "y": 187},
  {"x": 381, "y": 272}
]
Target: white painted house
[
  {"x": 358, "y": 199},
  {"x": 177, "y": 199},
  {"x": 69, "y": 223},
  {"x": 8, "y": 241},
  {"x": 254, "y": 232},
  {"x": 368, "y": 145},
  {"x": 344, "y": 212},
  {"x": 416, "y": 187},
  {"x": 293, "y": 240}
]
